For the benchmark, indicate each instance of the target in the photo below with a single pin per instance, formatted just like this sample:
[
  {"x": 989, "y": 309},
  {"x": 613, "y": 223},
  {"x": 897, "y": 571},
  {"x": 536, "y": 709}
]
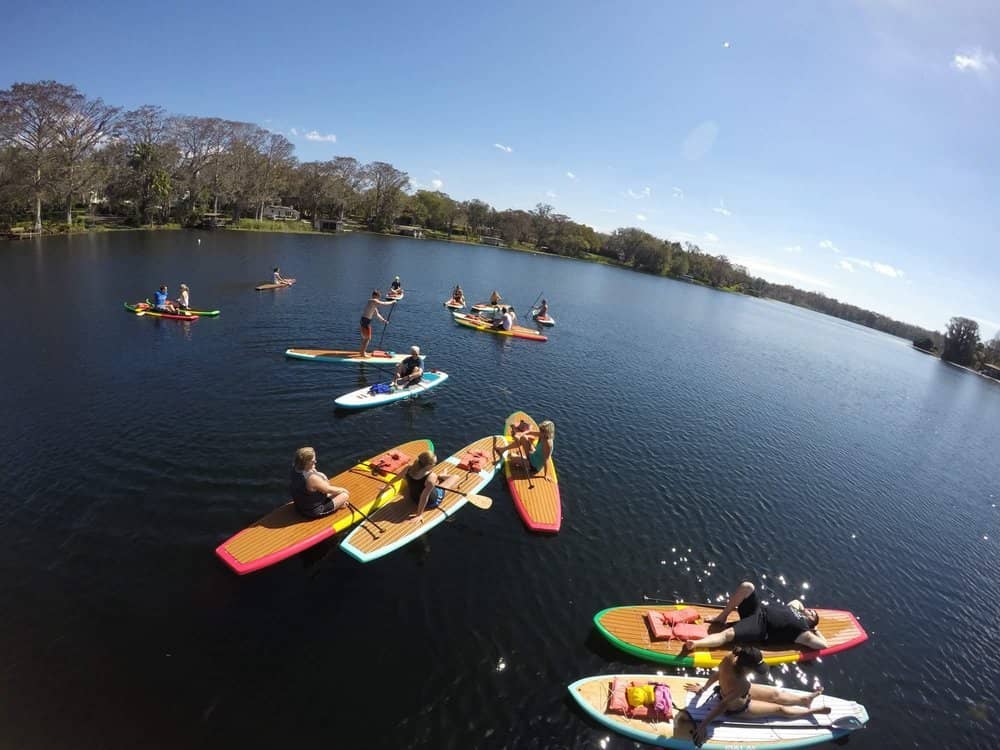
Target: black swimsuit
[{"x": 730, "y": 711}]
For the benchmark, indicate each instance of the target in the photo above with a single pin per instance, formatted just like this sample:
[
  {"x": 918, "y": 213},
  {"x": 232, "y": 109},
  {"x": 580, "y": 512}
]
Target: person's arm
[
  {"x": 379, "y": 316},
  {"x": 701, "y": 729},
  {"x": 385, "y": 302},
  {"x": 812, "y": 639},
  {"x": 317, "y": 483},
  {"x": 429, "y": 485},
  {"x": 698, "y": 690}
]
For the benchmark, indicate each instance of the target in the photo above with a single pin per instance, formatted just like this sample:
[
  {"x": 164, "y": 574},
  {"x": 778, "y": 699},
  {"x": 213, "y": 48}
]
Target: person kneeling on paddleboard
[
  {"x": 762, "y": 623},
  {"x": 423, "y": 486},
  {"x": 410, "y": 370},
  {"x": 311, "y": 491},
  {"x": 495, "y": 298},
  {"x": 538, "y": 455},
  {"x": 458, "y": 295},
  {"x": 396, "y": 286},
  {"x": 736, "y": 697}
]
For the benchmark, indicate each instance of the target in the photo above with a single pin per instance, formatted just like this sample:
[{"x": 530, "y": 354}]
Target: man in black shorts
[{"x": 771, "y": 624}]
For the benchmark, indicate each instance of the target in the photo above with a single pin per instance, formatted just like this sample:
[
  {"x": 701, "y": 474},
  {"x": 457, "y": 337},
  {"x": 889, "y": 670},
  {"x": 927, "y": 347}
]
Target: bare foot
[
  {"x": 686, "y": 648},
  {"x": 808, "y": 699}
]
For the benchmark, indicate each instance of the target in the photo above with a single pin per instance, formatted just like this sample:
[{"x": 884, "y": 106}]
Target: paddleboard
[
  {"x": 376, "y": 357},
  {"x": 451, "y": 304},
  {"x": 363, "y": 398},
  {"x": 367, "y": 543},
  {"x": 626, "y": 628},
  {"x": 519, "y": 332},
  {"x": 485, "y": 307},
  {"x": 142, "y": 307},
  {"x": 545, "y": 320},
  {"x": 265, "y": 287},
  {"x": 395, "y": 295},
  {"x": 535, "y": 497},
  {"x": 199, "y": 313},
  {"x": 592, "y": 694},
  {"x": 283, "y": 532}
]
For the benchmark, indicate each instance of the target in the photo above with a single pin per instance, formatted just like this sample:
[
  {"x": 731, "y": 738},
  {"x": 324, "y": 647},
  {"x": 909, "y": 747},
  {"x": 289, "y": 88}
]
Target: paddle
[
  {"x": 842, "y": 722},
  {"x": 384, "y": 327},
  {"x": 536, "y": 300},
  {"x": 480, "y": 501},
  {"x": 364, "y": 515}
]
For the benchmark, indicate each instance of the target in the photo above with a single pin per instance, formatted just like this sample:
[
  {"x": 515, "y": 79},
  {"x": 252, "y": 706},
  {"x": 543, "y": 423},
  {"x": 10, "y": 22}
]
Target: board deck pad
[
  {"x": 284, "y": 532},
  {"x": 367, "y": 543},
  {"x": 626, "y": 628},
  {"x": 591, "y": 693},
  {"x": 536, "y": 498}
]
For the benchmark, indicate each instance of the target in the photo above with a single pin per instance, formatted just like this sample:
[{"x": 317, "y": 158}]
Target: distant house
[
  {"x": 329, "y": 225},
  {"x": 416, "y": 232},
  {"x": 280, "y": 213},
  {"x": 494, "y": 241}
]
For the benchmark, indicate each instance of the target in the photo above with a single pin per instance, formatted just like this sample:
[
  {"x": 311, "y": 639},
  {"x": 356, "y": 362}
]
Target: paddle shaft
[
  {"x": 364, "y": 515},
  {"x": 466, "y": 495},
  {"x": 385, "y": 326}
]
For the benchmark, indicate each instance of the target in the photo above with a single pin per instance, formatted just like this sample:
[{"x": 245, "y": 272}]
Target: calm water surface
[{"x": 702, "y": 438}]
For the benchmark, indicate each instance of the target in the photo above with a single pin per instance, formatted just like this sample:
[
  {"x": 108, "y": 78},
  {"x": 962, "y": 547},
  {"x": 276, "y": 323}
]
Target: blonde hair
[
  {"x": 426, "y": 458},
  {"x": 548, "y": 428},
  {"x": 304, "y": 457}
]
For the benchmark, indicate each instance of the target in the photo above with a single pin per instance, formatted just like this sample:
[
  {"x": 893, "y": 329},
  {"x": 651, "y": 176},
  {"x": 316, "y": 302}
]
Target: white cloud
[
  {"x": 437, "y": 184},
  {"x": 550, "y": 194},
  {"x": 710, "y": 237},
  {"x": 293, "y": 131},
  {"x": 678, "y": 193},
  {"x": 315, "y": 135},
  {"x": 644, "y": 193},
  {"x": 767, "y": 269},
  {"x": 700, "y": 141},
  {"x": 505, "y": 149},
  {"x": 883, "y": 268},
  {"x": 846, "y": 265},
  {"x": 571, "y": 175},
  {"x": 794, "y": 249},
  {"x": 974, "y": 60},
  {"x": 828, "y": 245},
  {"x": 640, "y": 217},
  {"x": 721, "y": 209}
]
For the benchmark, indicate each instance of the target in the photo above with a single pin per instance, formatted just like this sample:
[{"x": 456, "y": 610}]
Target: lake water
[{"x": 701, "y": 438}]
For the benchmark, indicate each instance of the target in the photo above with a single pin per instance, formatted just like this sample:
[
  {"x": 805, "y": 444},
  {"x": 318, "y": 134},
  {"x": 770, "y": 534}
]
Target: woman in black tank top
[
  {"x": 311, "y": 491},
  {"x": 422, "y": 484}
]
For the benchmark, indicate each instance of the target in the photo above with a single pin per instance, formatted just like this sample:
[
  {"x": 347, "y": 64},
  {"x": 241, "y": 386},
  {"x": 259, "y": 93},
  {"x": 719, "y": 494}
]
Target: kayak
[
  {"x": 593, "y": 694},
  {"x": 265, "y": 287},
  {"x": 535, "y": 496},
  {"x": 141, "y": 308},
  {"x": 363, "y": 398},
  {"x": 283, "y": 532},
  {"x": 518, "y": 332},
  {"x": 473, "y": 465},
  {"x": 545, "y": 320},
  {"x": 376, "y": 357},
  {"x": 199, "y": 313},
  {"x": 451, "y": 304},
  {"x": 626, "y": 628}
]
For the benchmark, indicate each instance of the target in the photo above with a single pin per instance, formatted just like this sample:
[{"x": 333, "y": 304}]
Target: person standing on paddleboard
[
  {"x": 184, "y": 300},
  {"x": 410, "y": 370},
  {"x": 738, "y": 698},
  {"x": 371, "y": 312},
  {"x": 311, "y": 491},
  {"x": 773, "y": 624}
]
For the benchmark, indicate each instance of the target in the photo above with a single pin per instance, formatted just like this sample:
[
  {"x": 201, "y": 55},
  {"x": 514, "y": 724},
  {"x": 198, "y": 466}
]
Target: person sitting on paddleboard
[
  {"x": 370, "y": 312},
  {"x": 184, "y": 300},
  {"x": 410, "y": 370},
  {"x": 160, "y": 301},
  {"x": 506, "y": 321},
  {"x": 737, "y": 697},
  {"x": 311, "y": 491},
  {"x": 279, "y": 280},
  {"x": 495, "y": 298},
  {"x": 458, "y": 295},
  {"x": 395, "y": 287},
  {"x": 423, "y": 486},
  {"x": 537, "y": 455},
  {"x": 762, "y": 623},
  {"x": 543, "y": 311}
]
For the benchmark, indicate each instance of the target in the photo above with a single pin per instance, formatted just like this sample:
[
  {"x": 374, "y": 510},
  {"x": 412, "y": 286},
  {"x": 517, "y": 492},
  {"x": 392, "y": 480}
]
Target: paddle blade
[{"x": 480, "y": 501}]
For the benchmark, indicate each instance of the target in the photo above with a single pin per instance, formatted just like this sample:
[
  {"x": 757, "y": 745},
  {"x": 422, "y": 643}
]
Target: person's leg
[
  {"x": 738, "y": 600},
  {"x": 366, "y": 336},
  {"x": 758, "y": 709},
  {"x": 781, "y": 697},
  {"x": 714, "y": 640}
]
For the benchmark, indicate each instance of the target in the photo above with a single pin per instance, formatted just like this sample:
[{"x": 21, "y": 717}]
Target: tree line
[{"x": 64, "y": 155}]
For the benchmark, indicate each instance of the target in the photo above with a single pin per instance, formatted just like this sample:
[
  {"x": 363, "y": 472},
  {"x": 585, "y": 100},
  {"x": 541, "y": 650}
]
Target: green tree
[{"x": 960, "y": 341}]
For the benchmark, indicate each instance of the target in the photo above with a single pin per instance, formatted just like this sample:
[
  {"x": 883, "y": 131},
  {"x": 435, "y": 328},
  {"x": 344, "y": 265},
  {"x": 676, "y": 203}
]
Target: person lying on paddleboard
[
  {"x": 184, "y": 300},
  {"x": 278, "y": 278},
  {"x": 762, "y": 623},
  {"x": 370, "y": 312},
  {"x": 311, "y": 491},
  {"x": 423, "y": 486},
  {"x": 495, "y": 298},
  {"x": 537, "y": 456},
  {"x": 410, "y": 370},
  {"x": 160, "y": 301},
  {"x": 738, "y": 698}
]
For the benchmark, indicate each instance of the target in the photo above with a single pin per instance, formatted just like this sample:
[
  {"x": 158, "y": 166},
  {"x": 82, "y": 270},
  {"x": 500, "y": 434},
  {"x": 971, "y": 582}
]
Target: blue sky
[{"x": 843, "y": 146}]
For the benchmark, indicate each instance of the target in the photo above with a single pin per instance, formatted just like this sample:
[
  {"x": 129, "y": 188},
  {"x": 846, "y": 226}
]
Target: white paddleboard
[{"x": 363, "y": 398}]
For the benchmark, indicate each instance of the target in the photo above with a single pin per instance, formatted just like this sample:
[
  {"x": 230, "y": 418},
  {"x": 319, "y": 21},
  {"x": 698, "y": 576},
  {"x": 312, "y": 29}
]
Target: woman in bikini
[{"x": 738, "y": 697}]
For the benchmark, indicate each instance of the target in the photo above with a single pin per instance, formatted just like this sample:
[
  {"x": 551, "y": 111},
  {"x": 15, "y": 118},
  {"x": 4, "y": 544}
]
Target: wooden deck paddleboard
[
  {"x": 367, "y": 543},
  {"x": 376, "y": 357},
  {"x": 267, "y": 287},
  {"x": 516, "y": 331},
  {"x": 626, "y": 628},
  {"x": 592, "y": 694},
  {"x": 536, "y": 498},
  {"x": 283, "y": 532}
]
